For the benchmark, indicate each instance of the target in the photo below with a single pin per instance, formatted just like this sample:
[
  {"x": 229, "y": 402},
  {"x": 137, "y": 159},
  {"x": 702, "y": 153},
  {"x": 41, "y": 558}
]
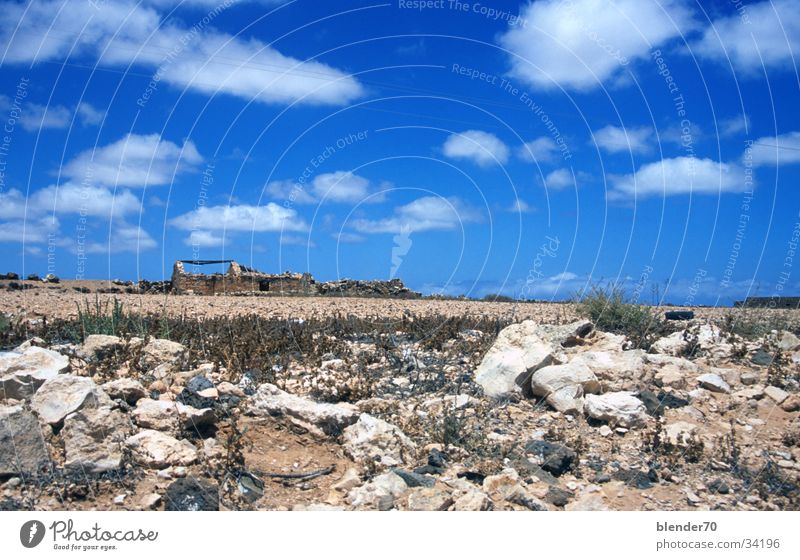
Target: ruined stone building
[
  {"x": 777, "y": 302},
  {"x": 240, "y": 279}
]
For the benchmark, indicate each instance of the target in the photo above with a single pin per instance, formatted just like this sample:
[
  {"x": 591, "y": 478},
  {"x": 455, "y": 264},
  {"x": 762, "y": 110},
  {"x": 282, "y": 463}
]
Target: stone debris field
[{"x": 352, "y": 404}]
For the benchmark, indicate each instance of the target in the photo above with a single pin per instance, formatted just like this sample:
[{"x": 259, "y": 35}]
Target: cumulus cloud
[
  {"x": 614, "y": 139},
  {"x": 581, "y": 43},
  {"x": 270, "y": 217},
  {"x": 201, "y": 238},
  {"x": 134, "y": 161},
  {"x": 35, "y": 117},
  {"x": 337, "y": 187},
  {"x": 31, "y": 220},
  {"x": 519, "y": 206},
  {"x": 540, "y": 149},
  {"x": 734, "y": 125},
  {"x": 428, "y": 213},
  {"x": 677, "y": 176},
  {"x": 783, "y": 149},
  {"x": 198, "y": 58},
  {"x": 90, "y": 115},
  {"x": 765, "y": 34},
  {"x": 33, "y": 231},
  {"x": 559, "y": 179},
  {"x": 483, "y": 148},
  {"x": 128, "y": 238},
  {"x": 347, "y": 237},
  {"x": 68, "y": 198}
]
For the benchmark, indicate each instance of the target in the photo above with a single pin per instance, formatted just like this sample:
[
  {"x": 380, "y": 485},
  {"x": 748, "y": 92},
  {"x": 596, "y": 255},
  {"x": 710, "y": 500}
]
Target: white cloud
[
  {"x": 519, "y": 206},
  {"x": 35, "y": 116},
  {"x": 734, "y": 125},
  {"x": 343, "y": 186},
  {"x": 197, "y": 57},
  {"x": 428, "y": 213},
  {"x": 676, "y": 176},
  {"x": 134, "y": 161},
  {"x": 270, "y": 217},
  {"x": 764, "y": 34},
  {"x": 125, "y": 238},
  {"x": 300, "y": 240},
  {"x": 347, "y": 237},
  {"x": 539, "y": 149},
  {"x": 28, "y": 231},
  {"x": 289, "y": 191},
  {"x": 481, "y": 147},
  {"x": 68, "y": 198},
  {"x": 615, "y": 139},
  {"x": 337, "y": 187},
  {"x": 89, "y": 115},
  {"x": 783, "y": 149},
  {"x": 578, "y": 44},
  {"x": 681, "y": 135},
  {"x": 559, "y": 179},
  {"x": 202, "y": 238}
]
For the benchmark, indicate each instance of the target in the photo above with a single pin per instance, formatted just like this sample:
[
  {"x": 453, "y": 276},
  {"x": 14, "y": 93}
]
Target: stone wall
[
  {"x": 241, "y": 280},
  {"x": 770, "y": 302}
]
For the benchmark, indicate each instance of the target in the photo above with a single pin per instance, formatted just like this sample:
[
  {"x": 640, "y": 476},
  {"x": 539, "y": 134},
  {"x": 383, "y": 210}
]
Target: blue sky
[{"x": 532, "y": 149}]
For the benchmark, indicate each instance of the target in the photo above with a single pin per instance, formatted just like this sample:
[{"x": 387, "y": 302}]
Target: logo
[{"x": 31, "y": 533}]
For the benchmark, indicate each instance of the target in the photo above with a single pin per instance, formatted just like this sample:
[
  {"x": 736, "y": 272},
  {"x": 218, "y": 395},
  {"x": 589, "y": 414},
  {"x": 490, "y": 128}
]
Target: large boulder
[
  {"x": 564, "y": 386},
  {"x": 94, "y": 438},
  {"x": 371, "y": 439},
  {"x": 97, "y": 347},
  {"x": 22, "y": 373},
  {"x": 160, "y": 351},
  {"x": 125, "y": 389},
  {"x": 170, "y": 416},
  {"x": 158, "y": 450},
  {"x": 713, "y": 383},
  {"x": 22, "y": 448},
  {"x": 787, "y": 341},
  {"x": 707, "y": 338},
  {"x": 380, "y": 493},
  {"x": 65, "y": 394},
  {"x": 619, "y": 409},
  {"x": 516, "y": 354},
  {"x": 325, "y": 418}
]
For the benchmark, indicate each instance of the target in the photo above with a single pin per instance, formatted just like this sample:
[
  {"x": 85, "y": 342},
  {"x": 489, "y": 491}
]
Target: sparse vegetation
[{"x": 611, "y": 311}]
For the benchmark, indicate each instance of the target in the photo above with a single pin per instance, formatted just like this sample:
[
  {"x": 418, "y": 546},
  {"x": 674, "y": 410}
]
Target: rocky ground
[{"x": 438, "y": 406}]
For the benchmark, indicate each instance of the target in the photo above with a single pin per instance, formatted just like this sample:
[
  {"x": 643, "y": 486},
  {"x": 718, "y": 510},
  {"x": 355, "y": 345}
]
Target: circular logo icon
[{"x": 31, "y": 533}]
